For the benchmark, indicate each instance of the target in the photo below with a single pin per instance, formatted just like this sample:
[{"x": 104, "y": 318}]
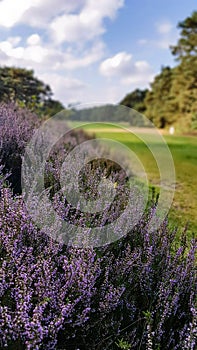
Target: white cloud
[
  {"x": 41, "y": 56},
  {"x": 44, "y": 62},
  {"x": 141, "y": 74},
  {"x": 26, "y": 54},
  {"x": 86, "y": 24},
  {"x": 64, "y": 36},
  {"x": 12, "y": 11},
  {"x": 36, "y": 13},
  {"x": 119, "y": 64},
  {"x": 35, "y": 53},
  {"x": 122, "y": 67},
  {"x": 72, "y": 28},
  {"x": 84, "y": 58},
  {"x": 5, "y": 46},
  {"x": 164, "y": 27},
  {"x": 166, "y": 35},
  {"x": 65, "y": 89},
  {"x": 33, "y": 39},
  {"x": 8, "y": 50},
  {"x": 14, "y": 40},
  {"x": 69, "y": 21},
  {"x": 76, "y": 22},
  {"x": 42, "y": 12}
]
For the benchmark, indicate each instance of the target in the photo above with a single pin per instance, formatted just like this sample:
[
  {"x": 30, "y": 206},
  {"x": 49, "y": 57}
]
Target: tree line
[{"x": 172, "y": 97}]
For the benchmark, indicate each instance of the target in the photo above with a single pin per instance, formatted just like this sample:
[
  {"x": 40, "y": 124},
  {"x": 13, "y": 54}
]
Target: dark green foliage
[
  {"x": 135, "y": 100},
  {"x": 173, "y": 93},
  {"x": 172, "y": 98},
  {"x": 51, "y": 107},
  {"x": 158, "y": 101},
  {"x": 17, "y": 84},
  {"x": 20, "y": 86},
  {"x": 187, "y": 44}
]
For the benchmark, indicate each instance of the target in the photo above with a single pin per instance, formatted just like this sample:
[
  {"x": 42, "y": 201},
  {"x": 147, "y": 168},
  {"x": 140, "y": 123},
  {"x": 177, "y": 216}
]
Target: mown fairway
[{"x": 184, "y": 153}]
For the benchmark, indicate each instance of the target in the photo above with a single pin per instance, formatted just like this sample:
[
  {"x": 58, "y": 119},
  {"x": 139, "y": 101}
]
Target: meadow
[{"x": 184, "y": 152}]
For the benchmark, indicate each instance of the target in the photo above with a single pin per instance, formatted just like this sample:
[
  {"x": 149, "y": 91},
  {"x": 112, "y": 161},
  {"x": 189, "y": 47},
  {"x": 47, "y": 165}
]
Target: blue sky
[{"x": 91, "y": 51}]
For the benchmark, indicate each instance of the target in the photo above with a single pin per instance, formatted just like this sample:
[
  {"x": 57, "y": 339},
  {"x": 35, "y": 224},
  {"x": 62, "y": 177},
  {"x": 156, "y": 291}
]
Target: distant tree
[
  {"x": 19, "y": 85},
  {"x": 106, "y": 113},
  {"x": 158, "y": 100},
  {"x": 186, "y": 47},
  {"x": 173, "y": 95},
  {"x": 135, "y": 100},
  {"x": 184, "y": 87},
  {"x": 172, "y": 98},
  {"x": 184, "y": 93},
  {"x": 51, "y": 107}
]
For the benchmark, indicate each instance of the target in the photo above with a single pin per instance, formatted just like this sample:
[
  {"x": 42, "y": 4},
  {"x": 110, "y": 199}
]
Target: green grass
[{"x": 184, "y": 153}]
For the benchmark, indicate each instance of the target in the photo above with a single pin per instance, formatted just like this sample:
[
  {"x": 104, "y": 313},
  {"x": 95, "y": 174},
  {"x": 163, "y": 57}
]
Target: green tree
[
  {"x": 51, "y": 107},
  {"x": 186, "y": 47},
  {"x": 158, "y": 101},
  {"x": 19, "y": 85},
  {"x": 184, "y": 93},
  {"x": 184, "y": 87},
  {"x": 173, "y": 95},
  {"x": 135, "y": 100}
]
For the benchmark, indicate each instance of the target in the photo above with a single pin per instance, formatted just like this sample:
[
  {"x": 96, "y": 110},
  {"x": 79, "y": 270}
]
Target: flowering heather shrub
[
  {"x": 44, "y": 286},
  {"x": 16, "y": 128},
  {"x": 158, "y": 308},
  {"x": 136, "y": 293},
  {"x": 57, "y": 156},
  {"x": 140, "y": 289}
]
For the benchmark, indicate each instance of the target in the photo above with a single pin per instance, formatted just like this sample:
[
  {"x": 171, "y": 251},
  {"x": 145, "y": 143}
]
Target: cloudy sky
[{"x": 91, "y": 51}]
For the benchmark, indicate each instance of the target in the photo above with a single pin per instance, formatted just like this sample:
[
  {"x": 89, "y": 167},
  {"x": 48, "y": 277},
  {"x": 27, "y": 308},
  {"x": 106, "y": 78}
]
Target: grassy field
[{"x": 184, "y": 153}]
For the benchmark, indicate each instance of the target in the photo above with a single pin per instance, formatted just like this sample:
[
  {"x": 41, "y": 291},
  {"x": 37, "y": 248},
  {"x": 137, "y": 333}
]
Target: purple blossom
[{"x": 141, "y": 289}]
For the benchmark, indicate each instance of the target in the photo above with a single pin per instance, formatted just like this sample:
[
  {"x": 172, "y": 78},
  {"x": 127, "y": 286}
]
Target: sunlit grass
[{"x": 184, "y": 153}]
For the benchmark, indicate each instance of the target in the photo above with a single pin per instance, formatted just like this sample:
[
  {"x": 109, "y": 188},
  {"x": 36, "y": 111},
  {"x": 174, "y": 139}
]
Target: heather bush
[
  {"x": 17, "y": 126},
  {"x": 16, "y": 129},
  {"x": 44, "y": 286},
  {"x": 139, "y": 290},
  {"x": 157, "y": 309}
]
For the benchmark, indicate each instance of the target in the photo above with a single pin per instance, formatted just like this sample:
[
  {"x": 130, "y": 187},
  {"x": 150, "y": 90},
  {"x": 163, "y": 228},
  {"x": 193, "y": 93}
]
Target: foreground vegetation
[{"x": 136, "y": 293}]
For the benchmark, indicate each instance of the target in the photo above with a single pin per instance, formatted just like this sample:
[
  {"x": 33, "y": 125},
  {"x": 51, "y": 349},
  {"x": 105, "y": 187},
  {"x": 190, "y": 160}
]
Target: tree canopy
[
  {"x": 19, "y": 85},
  {"x": 187, "y": 44},
  {"x": 135, "y": 100},
  {"x": 172, "y": 97}
]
